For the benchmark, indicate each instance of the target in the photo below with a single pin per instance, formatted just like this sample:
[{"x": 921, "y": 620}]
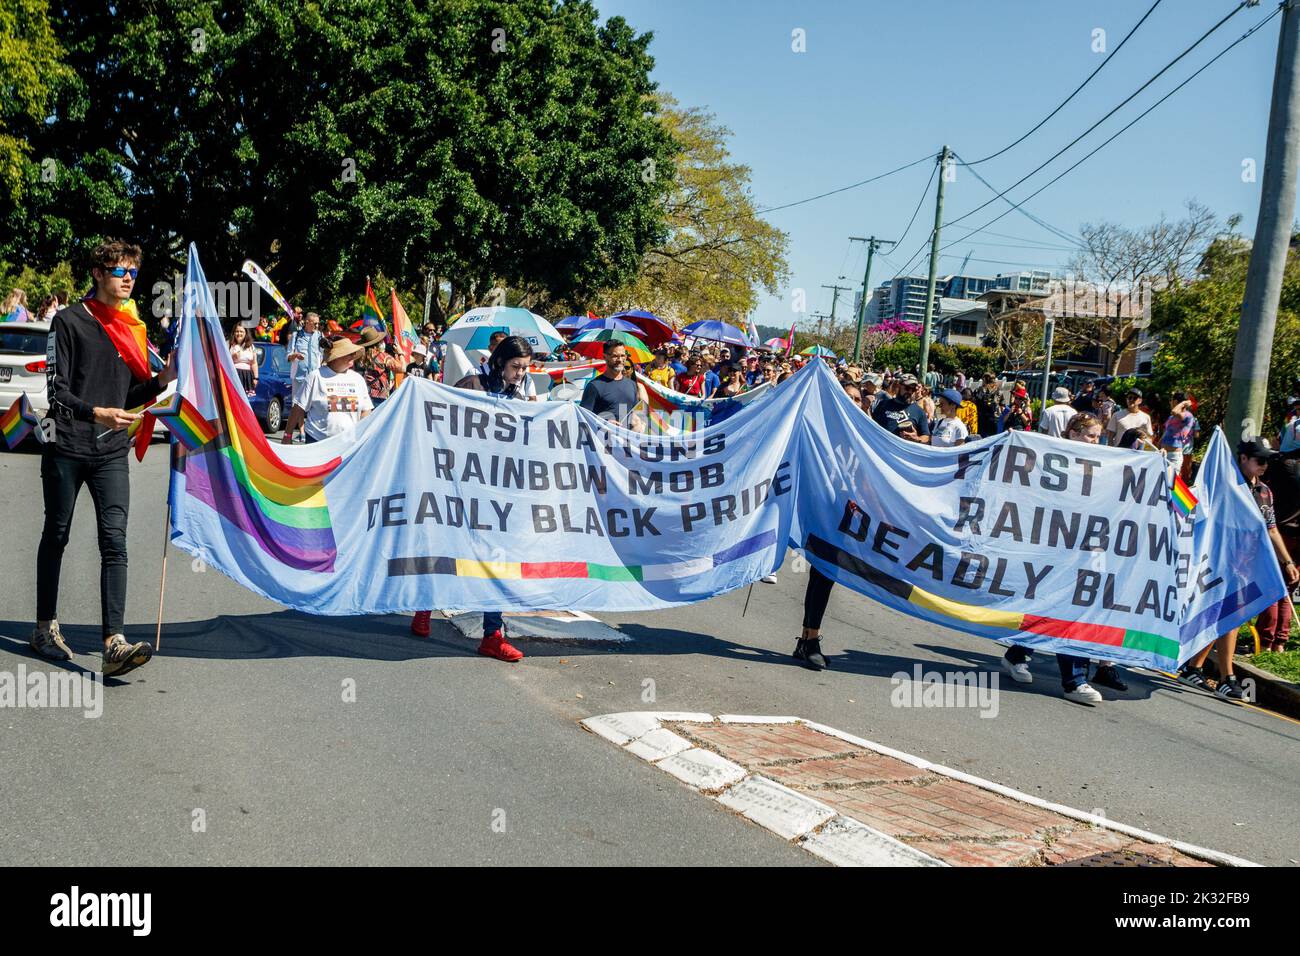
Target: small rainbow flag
[
  {"x": 370, "y": 314},
  {"x": 1182, "y": 497},
  {"x": 19, "y": 422},
  {"x": 184, "y": 421}
]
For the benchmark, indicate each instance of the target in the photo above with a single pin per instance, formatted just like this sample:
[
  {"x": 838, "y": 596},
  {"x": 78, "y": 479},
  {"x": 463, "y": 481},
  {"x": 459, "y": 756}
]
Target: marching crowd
[{"x": 95, "y": 373}]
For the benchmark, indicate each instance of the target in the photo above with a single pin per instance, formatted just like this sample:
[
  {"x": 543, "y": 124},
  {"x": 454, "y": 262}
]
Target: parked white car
[{"x": 22, "y": 363}]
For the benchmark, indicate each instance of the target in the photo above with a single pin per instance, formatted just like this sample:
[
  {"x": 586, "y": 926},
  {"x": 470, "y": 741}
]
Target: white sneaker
[
  {"x": 1019, "y": 672},
  {"x": 768, "y": 579},
  {"x": 1084, "y": 694}
]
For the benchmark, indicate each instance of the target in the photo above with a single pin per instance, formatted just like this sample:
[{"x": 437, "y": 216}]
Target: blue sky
[{"x": 884, "y": 83}]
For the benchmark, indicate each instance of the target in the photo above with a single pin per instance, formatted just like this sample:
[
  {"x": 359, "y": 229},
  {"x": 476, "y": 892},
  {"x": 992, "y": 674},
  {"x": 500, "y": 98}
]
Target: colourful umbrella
[
  {"x": 592, "y": 344},
  {"x": 613, "y": 323},
  {"x": 819, "y": 351},
  {"x": 473, "y": 329},
  {"x": 714, "y": 331},
  {"x": 654, "y": 331},
  {"x": 774, "y": 344}
]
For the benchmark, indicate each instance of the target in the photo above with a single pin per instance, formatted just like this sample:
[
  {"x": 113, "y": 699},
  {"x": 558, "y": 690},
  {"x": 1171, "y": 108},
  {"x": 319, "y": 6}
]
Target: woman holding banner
[
  {"x": 506, "y": 376},
  {"x": 1074, "y": 670}
]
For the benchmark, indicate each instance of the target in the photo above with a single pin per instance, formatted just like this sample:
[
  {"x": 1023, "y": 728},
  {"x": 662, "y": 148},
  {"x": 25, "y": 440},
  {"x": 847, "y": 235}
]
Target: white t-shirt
[
  {"x": 1290, "y": 437},
  {"x": 947, "y": 432},
  {"x": 1121, "y": 422},
  {"x": 1056, "y": 418},
  {"x": 333, "y": 401}
]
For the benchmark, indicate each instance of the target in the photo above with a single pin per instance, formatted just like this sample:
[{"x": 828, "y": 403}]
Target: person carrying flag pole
[{"x": 97, "y": 366}]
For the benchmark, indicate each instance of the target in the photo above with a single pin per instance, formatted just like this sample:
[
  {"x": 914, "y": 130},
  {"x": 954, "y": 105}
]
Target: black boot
[{"x": 809, "y": 650}]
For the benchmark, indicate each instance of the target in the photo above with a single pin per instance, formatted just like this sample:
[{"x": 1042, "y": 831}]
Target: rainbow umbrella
[
  {"x": 774, "y": 344},
  {"x": 654, "y": 331},
  {"x": 592, "y": 344},
  {"x": 820, "y": 351}
]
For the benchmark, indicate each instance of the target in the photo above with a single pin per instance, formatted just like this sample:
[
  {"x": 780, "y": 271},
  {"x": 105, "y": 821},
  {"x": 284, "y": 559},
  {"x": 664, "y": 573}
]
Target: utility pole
[
  {"x": 819, "y": 316},
  {"x": 1246, "y": 397},
  {"x": 934, "y": 264},
  {"x": 872, "y": 245},
  {"x": 834, "y": 299}
]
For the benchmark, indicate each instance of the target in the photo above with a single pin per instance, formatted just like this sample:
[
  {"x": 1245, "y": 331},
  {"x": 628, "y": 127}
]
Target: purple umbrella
[
  {"x": 714, "y": 331},
  {"x": 613, "y": 323}
]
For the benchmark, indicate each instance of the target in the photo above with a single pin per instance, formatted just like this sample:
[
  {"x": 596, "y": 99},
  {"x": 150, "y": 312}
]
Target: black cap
[
  {"x": 1133, "y": 391},
  {"x": 1256, "y": 448}
]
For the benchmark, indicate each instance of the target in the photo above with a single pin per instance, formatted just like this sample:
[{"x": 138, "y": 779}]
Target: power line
[
  {"x": 832, "y": 192},
  {"x": 1061, "y": 106},
  {"x": 1124, "y": 129},
  {"x": 1164, "y": 69},
  {"x": 1074, "y": 241}
]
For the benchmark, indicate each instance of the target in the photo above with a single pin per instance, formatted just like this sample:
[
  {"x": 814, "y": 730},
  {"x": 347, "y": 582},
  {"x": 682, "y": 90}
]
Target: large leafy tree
[
  {"x": 30, "y": 74},
  {"x": 718, "y": 252},
  {"x": 1197, "y": 323},
  {"x": 474, "y": 142}
]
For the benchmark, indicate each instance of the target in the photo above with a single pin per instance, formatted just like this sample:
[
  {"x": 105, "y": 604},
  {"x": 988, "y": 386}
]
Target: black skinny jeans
[
  {"x": 816, "y": 598},
  {"x": 110, "y": 490}
]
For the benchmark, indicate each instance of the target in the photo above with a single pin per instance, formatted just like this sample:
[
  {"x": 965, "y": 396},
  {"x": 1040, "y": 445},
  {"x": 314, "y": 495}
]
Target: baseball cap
[
  {"x": 1133, "y": 391},
  {"x": 1256, "y": 448},
  {"x": 910, "y": 380}
]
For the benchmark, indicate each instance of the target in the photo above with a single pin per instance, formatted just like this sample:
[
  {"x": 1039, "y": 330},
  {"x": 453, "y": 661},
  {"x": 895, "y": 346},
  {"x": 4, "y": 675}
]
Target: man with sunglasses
[{"x": 97, "y": 367}]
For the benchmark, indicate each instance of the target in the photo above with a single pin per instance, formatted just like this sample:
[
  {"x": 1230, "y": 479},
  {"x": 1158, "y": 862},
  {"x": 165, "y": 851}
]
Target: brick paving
[{"x": 954, "y": 821}]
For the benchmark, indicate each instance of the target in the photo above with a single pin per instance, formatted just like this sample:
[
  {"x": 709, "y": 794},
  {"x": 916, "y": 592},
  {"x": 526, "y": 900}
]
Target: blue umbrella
[
  {"x": 572, "y": 323},
  {"x": 613, "y": 323},
  {"x": 715, "y": 331},
  {"x": 654, "y": 330}
]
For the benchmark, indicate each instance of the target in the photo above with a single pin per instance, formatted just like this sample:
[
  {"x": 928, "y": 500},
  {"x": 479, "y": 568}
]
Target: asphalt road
[{"x": 446, "y": 757}]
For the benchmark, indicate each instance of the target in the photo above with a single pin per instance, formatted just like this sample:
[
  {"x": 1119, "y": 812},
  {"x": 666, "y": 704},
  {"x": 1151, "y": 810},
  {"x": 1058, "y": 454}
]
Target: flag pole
[{"x": 167, "y": 527}]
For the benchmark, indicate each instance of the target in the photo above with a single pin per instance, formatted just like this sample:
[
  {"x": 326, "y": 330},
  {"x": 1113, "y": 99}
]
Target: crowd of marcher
[{"x": 98, "y": 368}]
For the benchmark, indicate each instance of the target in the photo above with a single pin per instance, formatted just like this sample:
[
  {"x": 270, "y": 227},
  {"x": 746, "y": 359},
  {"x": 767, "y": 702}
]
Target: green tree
[
  {"x": 1197, "y": 323},
  {"x": 718, "y": 252},
  {"x": 904, "y": 352},
  {"x": 30, "y": 74},
  {"x": 480, "y": 142}
]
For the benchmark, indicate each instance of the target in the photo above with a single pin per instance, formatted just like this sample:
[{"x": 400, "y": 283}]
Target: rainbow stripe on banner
[
  {"x": 19, "y": 422},
  {"x": 1017, "y": 622},
  {"x": 554, "y": 570},
  {"x": 1182, "y": 497}
]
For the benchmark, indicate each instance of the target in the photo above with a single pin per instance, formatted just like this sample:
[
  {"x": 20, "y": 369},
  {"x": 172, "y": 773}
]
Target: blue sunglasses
[{"x": 118, "y": 272}]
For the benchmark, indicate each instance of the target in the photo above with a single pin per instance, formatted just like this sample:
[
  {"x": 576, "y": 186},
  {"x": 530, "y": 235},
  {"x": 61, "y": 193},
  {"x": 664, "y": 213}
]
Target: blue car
[{"x": 274, "y": 395}]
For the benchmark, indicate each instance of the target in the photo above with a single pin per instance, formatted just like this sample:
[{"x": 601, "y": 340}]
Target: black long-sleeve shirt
[{"x": 83, "y": 372}]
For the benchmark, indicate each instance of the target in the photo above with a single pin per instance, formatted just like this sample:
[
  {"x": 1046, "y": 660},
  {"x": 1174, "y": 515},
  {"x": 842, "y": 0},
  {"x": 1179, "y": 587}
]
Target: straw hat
[{"x": 342, "y": 349}]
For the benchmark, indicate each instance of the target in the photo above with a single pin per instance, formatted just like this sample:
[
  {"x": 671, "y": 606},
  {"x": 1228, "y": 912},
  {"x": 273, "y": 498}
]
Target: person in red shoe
[{"x": 506, "y": 376}]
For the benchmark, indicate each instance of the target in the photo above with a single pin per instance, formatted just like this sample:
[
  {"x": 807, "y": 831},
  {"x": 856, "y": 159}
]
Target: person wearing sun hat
[
  {"x": 334, "y": 399},
  {"x": 949, "y": 430}
]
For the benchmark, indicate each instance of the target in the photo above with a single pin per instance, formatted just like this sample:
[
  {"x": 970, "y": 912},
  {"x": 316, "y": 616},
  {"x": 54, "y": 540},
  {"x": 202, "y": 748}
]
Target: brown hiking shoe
[
  {"x": 48, "y": 642},
  {"x": 121, "y": 657}
]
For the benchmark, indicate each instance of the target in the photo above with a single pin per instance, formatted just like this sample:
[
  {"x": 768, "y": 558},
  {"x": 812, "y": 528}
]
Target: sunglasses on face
[{"x": 120, "y": 272}]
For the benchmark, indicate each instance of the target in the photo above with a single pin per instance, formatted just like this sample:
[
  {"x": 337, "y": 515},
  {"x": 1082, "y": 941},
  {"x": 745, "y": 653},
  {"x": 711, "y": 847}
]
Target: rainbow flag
[
  {"x": 1182, "y": 498},
  {"x": 370, "y": 314},
  {"x": 19, "y": 422},
  {"x": 404, "y": 336},
  {"x": 184, "y": 421},
  {"x": 228, "y": 466}
]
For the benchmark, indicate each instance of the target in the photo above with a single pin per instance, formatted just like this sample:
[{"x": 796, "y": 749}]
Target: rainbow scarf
[
  {"x": 19, "y": 422},
  {"x": 127, "y": 333}
]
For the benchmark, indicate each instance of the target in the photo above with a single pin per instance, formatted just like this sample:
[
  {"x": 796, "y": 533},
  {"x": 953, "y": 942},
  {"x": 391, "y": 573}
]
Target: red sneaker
[
  {"x": 420, "y": 623},
  {"x": 496, "y": 645}
]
